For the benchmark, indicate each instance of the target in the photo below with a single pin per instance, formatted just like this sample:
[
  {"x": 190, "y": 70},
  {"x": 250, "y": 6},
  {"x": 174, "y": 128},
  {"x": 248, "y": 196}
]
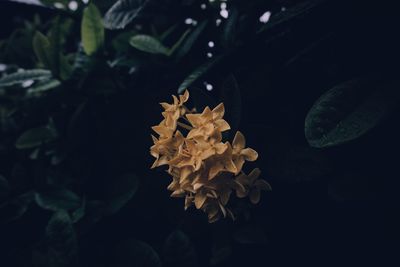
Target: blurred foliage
[{"x": 79, "y": 87}]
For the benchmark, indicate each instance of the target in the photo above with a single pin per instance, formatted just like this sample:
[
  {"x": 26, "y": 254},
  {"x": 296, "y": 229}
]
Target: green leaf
[
  {"x": 123, "y": 12},
  {"x": 135, "y": 253},
  {"x": 62, "y": 245},
  {"x": 231, "y": 97},
  {"x": 229, "y": 32},
  {"x": 120, "y": 191},
  {"x": 197, "y": 73},
  {"x": 57, "y": 199},
  {"x": 92, "y": 30},
  {"x": 179, "y": 251},
  {"x": 49, "y": 53},
  {"x": 349, "y": 110},
  {"x": 25, "y": 75},
  {"x": 294, "y": 12},
  {"x": 189, "y": 41},
  {"x": 149, "y": 44},
  {"x": 35, "y": 137},
  {"x": 42, "y": 49},
  {"x": 44, "y": 86}
]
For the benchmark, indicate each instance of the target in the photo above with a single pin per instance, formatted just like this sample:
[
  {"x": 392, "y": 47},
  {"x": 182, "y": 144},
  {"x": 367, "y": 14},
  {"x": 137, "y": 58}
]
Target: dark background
[{"x": 355, "y": 223}]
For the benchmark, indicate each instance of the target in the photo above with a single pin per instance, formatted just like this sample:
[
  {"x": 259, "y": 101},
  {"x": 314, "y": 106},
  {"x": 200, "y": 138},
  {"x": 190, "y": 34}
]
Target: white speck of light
[
  {"x": 73, "y": 5},
  {"x": 209, "y": 55},
  {"x": 59, "y": 5},
  {"x": 265, "y": 17},
  {"x": 27, "y": 83},
  {"x": 188, "y": 21},
  {"x": 218, "y": 22},
  {"x": 3, "y": 67},
  {"x": 203, "y": 6},
  {"x": 283, "y": 8},
  {"x": 85, "y": 1},
  {"x": 209, "y": 87},
  {"x": 211, "y": 44},
  {"x": 223, "y": 5},
  {"x": 194, "y": 23},
  {"x": 224, "y": 13}
]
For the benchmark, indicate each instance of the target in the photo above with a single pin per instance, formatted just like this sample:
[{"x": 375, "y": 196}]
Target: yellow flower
[
  {"x": 240, "y": 153},
  {"x": 203, "y": 166},
  {"x": 252, "y": 186},
  {"x": 207, "y": 122},
  {"x": 164, "y": 148},
  {"x": 172, "y": 112}
]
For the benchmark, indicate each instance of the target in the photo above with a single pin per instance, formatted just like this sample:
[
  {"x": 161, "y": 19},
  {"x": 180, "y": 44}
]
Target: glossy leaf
[
  {"x": 57, "y": 199},
  {"x": 149, "y": 44},
  {"x": 61, "y": 240},
  {"x": 92, "y": 30},
  {"x": 189, "y": 41},
  {"x": 23, "y": 76},
  {"x": 123, "y": 12},
  {"x": 196, "y": 74},
  {"x": 349, "y": 110},
  {"x": 35, "y": 137}
]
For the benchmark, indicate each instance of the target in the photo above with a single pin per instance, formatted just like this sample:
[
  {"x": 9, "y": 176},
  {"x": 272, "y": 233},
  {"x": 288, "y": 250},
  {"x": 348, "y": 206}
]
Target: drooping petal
[
  {"x": 254, "y": 195},
  {"x": 249, "y": 154},
  {"x": 253, "y": 175},
  {"x": 262, "y": 185},
  {"x": 199, "y": 200}
]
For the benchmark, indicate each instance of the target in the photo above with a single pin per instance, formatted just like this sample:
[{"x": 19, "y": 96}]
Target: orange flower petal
[{"x": 249, "y": 154}]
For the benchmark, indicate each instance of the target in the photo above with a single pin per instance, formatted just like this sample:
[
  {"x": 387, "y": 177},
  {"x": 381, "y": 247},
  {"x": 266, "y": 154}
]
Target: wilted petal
[
  {"x": 262, "y": 185},
  {"x": 253, "y": 175},
  {"x": 254, "y": 196},
  {"x": 249, "y": 154},
  {"x": 225, "y": 196}
]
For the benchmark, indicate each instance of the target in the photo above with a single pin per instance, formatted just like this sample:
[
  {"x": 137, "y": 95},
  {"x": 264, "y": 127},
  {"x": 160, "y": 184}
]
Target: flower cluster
[{"x": 205, "y": 170}]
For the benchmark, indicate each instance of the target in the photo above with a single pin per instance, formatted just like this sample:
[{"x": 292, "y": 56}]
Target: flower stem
[{"x": 185, "y": 126}]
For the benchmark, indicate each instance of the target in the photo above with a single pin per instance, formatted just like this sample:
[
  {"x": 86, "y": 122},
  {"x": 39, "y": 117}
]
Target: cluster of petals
[{"x": 204, "y": 169}]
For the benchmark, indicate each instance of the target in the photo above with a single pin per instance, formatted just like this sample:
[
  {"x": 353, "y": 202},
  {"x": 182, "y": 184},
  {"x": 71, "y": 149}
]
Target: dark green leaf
[
  {"x": 42, "y": 48},
  {"x": 57, "y": 199},
  {"x": 229, "y": 32},
  {"x": 197, "y": 73},
  {"x": 187, "y": 43},
  {"x": 148, "y": 44},
  {"x": 25, "y": 75},
  {"x": 123, "y": 12},
  {"x": 349, "y": 110},
  {"x": 135, "y": 253},
  {"x": 44, "y": 86},
  {"x": 92, "y": 30},
  {"x": 35, "y": 137},
  {"x": 179, "y": 251},
  {"x": 120, "y": 191},
  {"x": 62, "y": 247}
]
